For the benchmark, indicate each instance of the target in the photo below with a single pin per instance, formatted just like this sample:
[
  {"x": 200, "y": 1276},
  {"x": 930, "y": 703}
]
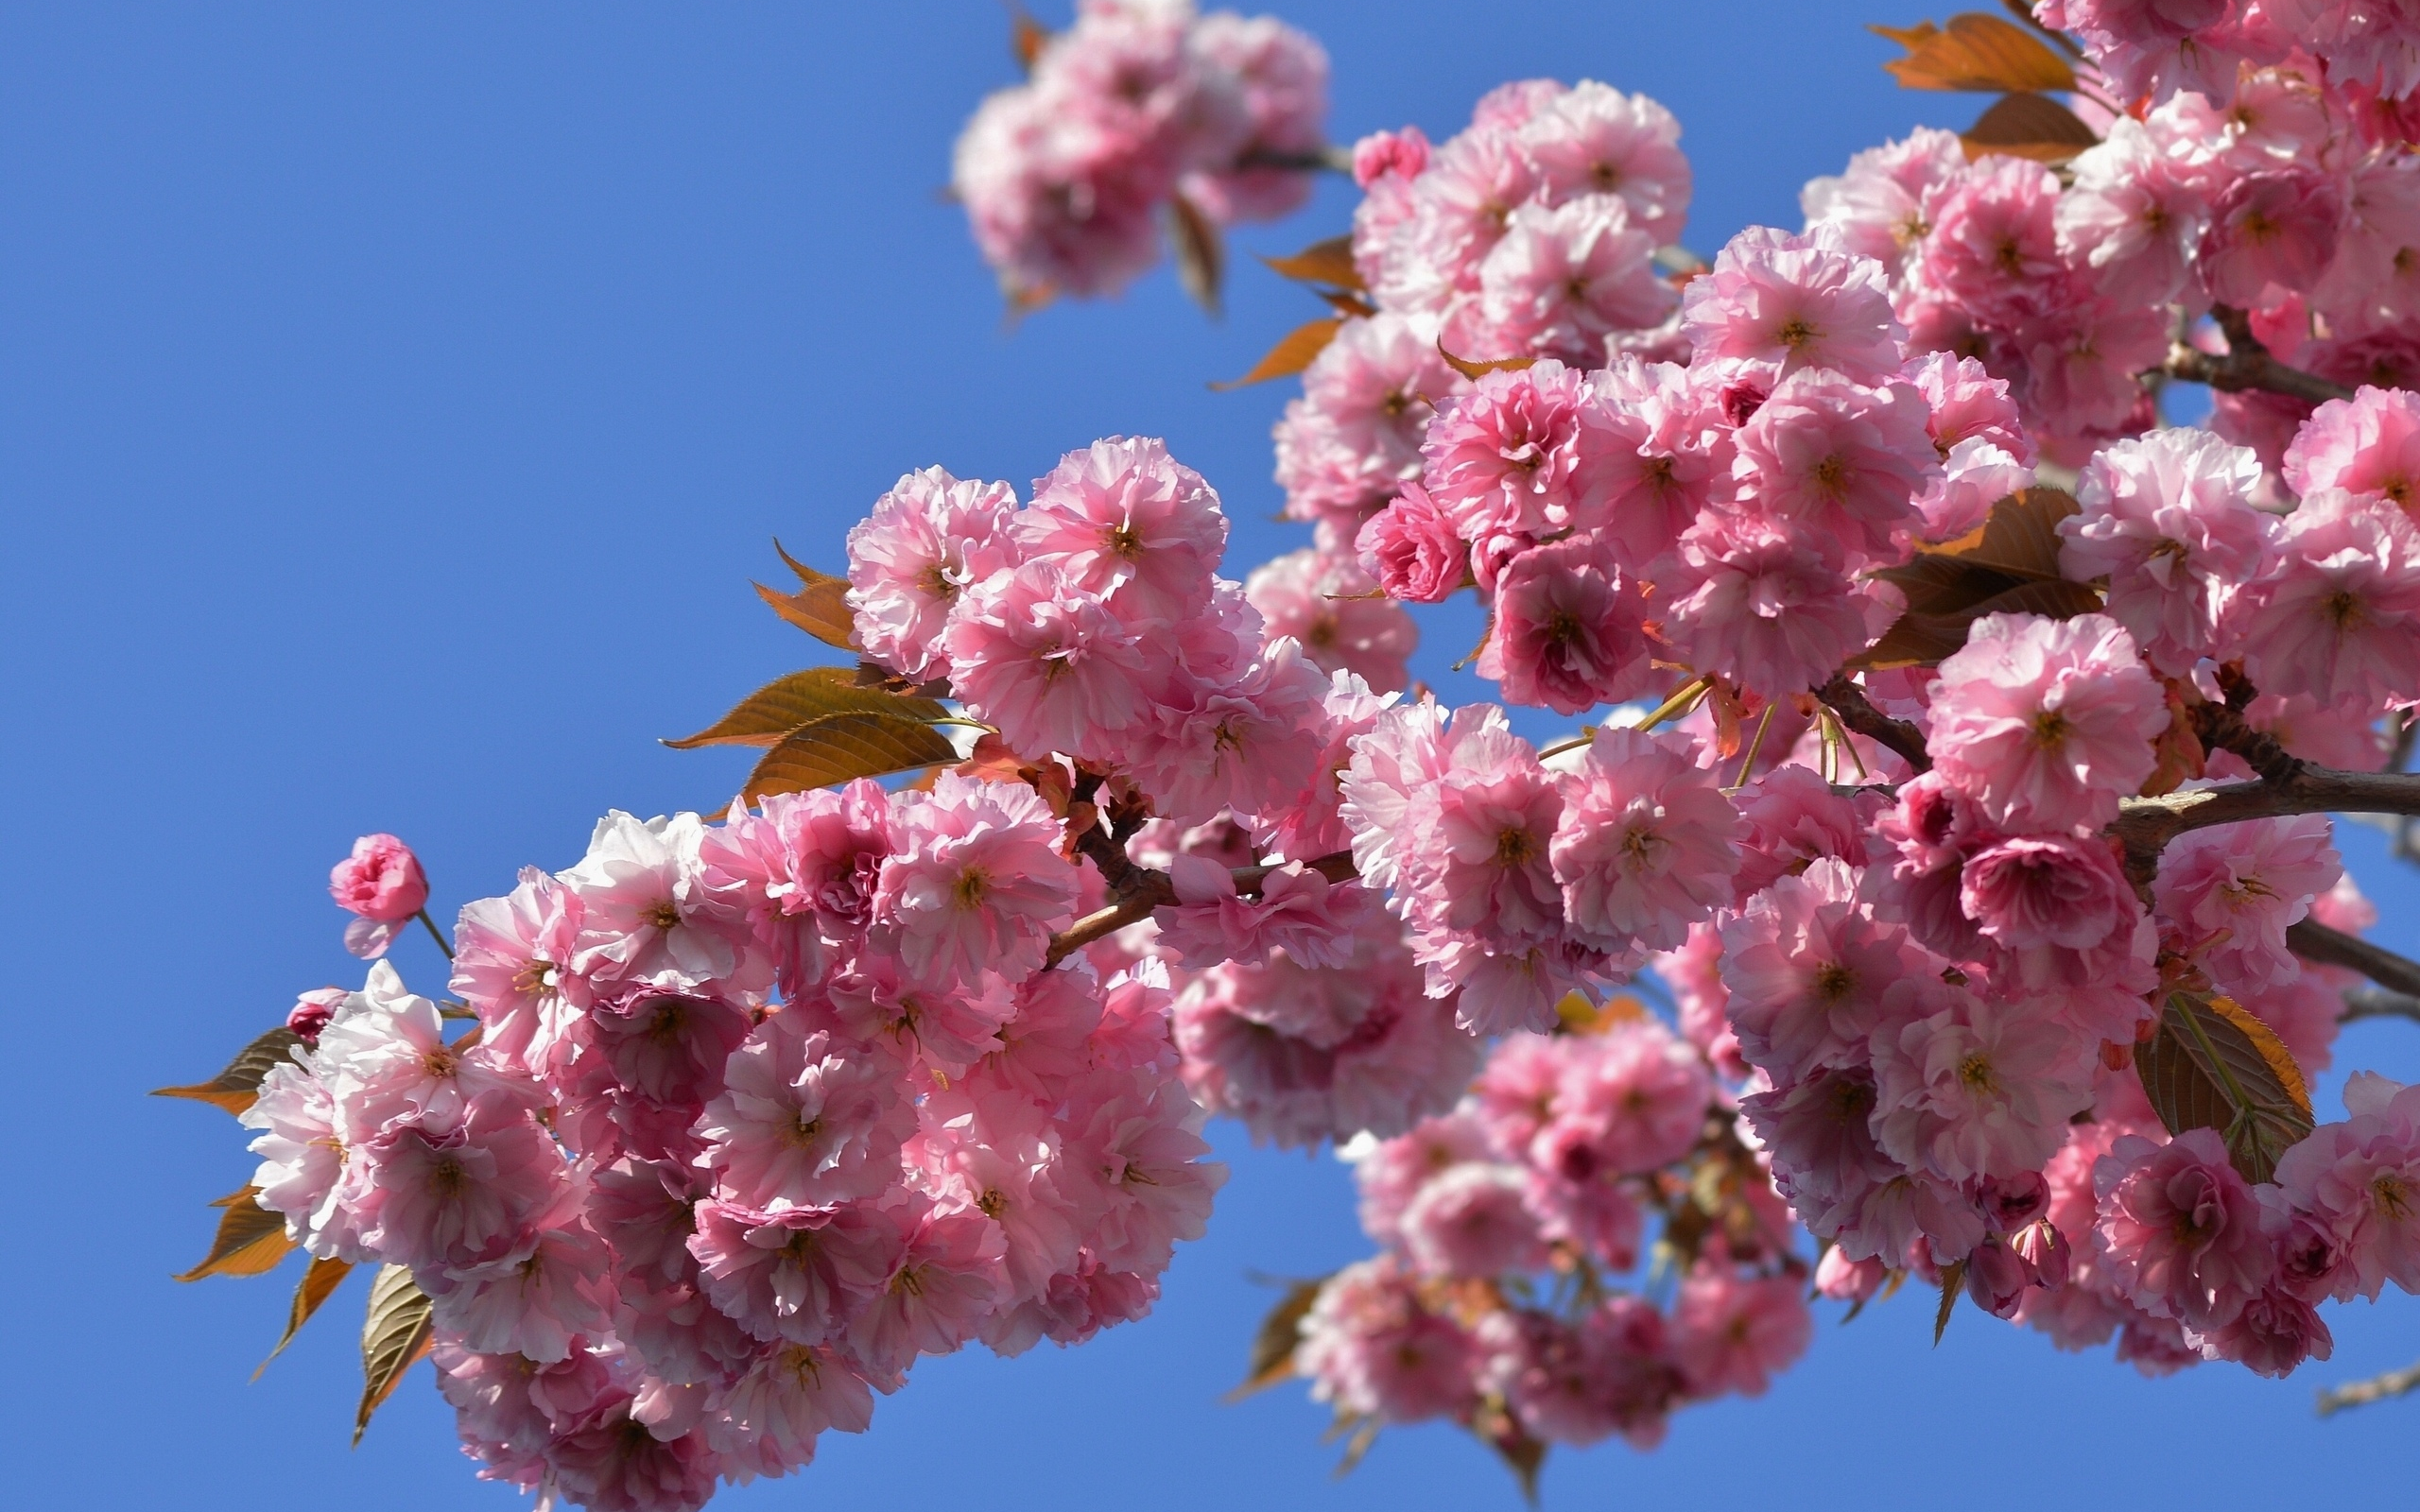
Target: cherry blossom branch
[
  {"x": 1848, "y": 703},
  {"x": 2148, "y": 824},
  {"x": 2377, "y": 1002},
  {"x": 1313, "y": 160},
  {"x": 435, "y": 934},
  {"x": 2314, "y": 941},
  {"x": 2363, "y": 1393},
  {"x": 1143, "y": 889},
  {"x": 2246, "y": 364}
]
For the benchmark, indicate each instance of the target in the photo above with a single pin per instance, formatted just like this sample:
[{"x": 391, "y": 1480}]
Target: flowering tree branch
[
  {"x": 2247, "y": 365},
  {"x": 2377, "y": 1002},
  {"x": 1314, "y": 159},
  {"x": 1143, "y": 889},
  {"x": 2148, "y": 824},
  {"x": 2314, "y": 941},
  {"x": 2376, "y": 1388},
  {"x": 1848, "y": 702}
]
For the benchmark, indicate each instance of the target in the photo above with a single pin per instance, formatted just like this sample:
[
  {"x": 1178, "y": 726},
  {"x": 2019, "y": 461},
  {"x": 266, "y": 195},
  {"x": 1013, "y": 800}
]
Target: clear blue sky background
[{"x": 394, "y": 404}]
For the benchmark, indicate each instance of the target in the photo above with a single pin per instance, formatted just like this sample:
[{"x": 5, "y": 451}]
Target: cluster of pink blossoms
[
  {"x": 2369, "y": 48},
  {"x": 756, "y": 1114},
  {"x": 1535, "y": 233},
  {"x": 1505, "y": 1223},
  {"x": 2287, "y": 193},
  {"x": 1140, "y": 104}
]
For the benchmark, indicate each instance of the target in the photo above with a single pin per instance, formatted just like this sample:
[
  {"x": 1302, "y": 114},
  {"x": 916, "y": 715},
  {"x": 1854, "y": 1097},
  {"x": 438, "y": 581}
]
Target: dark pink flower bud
[
  {"x": 312, "y": 1013},
  {"x": 1404, "y": 153},
  {"x": 381, "y": 880},
  {"x": 1844, "y": 1279},
  {"x": 1996, "y": 1278},
  {"x": 1411, "y": 548},
  {"x": 2043, "y": 1247}
]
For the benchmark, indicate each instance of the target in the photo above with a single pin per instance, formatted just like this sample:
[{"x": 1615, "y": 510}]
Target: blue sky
[{"x": 394, "y": 404}]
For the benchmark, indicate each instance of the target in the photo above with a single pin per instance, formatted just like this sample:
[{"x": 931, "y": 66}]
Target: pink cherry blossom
[
  {"x": 381, "y": 884},
  {"x": 2046, "y": 723},
  {"x": 512, "y": 964},
  {"x": 2367, "y": 446},
  {"x": 1647, "y": 843},
  {"x": 1370, "y": 1348},
  {"x": 1571, "y": 628},
  {"x": 1979, "y": 1089},
  {"x": 2337, "y": 613},
  {"x": 1768, "y": 602},
  {"x": 2167, "y": 519},
  {"x": 1472, "y": 1220},
  {"x": 1046, "y": 661},
  {"x": 1325, "y": 603},
  {"x": 805, "y": 1120},
  {"x": 2230, "y": 893},
  {"x": 1562, "y": 280},
  {"x": 1795, "y": 301},
  {"x": 927, "y": 541},
  {"x": 1730, "y": 1334},
  {"x": 1125, "y": 520},
  {"x": 1837, "y": 458},
  {"x": 977, "y": 882}
]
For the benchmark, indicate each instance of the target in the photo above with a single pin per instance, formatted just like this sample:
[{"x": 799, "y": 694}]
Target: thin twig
[
  {"x": 2314, "y": 941},
  {"x": 2363, "y": 1393},
  {"x": 2247, "y": 365},
  {"x": 433, "y": 934},
  {"x": 1312, "y": 160},
  {"x": 2377, "y": 1002},
  {"x": 1848, "y": 702}
]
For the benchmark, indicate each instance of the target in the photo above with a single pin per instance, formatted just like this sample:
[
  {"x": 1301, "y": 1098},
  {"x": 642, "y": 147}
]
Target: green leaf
[
  {"x": 1201, "y": 252},
  {"x": 1272, "y": 1347},
  {"x": 319, "y": 1284},
  {"x": 2212, "y": 1065},
  {"x": 2029, "y": 126},
  {"x": 820, "y": 607},
  {"x": 1329, "y": 262},
  {"x": 784, "y": 704},
  {"x": 251, "y": 1239},
  {"x": 394, "y": 1335},
  {"x": 1976, "y": 52},
  {"x": 235, "y": 1087},
  {"x": 1293, "y": 352},
  {"x": 841, "y": 747},
  {"x": 1953, "y": 1280}
]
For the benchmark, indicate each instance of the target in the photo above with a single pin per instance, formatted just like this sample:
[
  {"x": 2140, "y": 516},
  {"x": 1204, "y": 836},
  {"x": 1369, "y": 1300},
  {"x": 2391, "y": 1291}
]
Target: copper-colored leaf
[
  {"x": 2029, "y": 126},
  {"x": 1953, "y": 1280},
  {"x": 787, "y": 702},
  {"x": 1919, "y": 639},
  {"x": 1293, "y": 354},
  {"x": 394, "y": 1335},
  {"x": 2020, "y": 536},
  {"x": 1977, "y": 51},
  {"x": 821, "y": 605},
  {"x": 235, "y": 1087},
  {"x": 317, "y": 1284},
  {"x": 1027, "y": 37},
  {"x": 1525, "y": 1456},
  {"x": 251, "y": 1239},
  {"x": 1329, "y": 262},
  {"x": 2213, "y": 1065},
  {"x": 1476, "y": 370},
  {"x": 1201, "y": 252},
  {"x": 841, "y": 747},
  {"x": 1272, "y": 1346},
  {"x": 2007, "y": 565}
]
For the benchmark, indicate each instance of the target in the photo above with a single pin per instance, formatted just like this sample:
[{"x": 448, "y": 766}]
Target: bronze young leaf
[
  {"x": 1329, "y": 262},
  {"x": 394, "y": 1335},
  {"x": 235, "y": 1087},
  {"x": 2029, "y": 126},
  {"x": 821, "y": 605},
  {"x": 251, "y": 1239},
  {"x": 1293, "y": 352},
  {"x": 1272, "y": 1346},
  {"x": 840, "y": 748},
  {"x": 1977, "y": 52},
  {"x": 784, "y": 704},
  {"x": 2213, "y": 1065},
  {"x": 319, "y": 1284}
]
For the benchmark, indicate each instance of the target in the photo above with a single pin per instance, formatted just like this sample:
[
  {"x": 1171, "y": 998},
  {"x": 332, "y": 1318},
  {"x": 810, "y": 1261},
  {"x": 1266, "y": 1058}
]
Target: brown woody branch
[
  {"x": 2377, "y": 1002},
  {"x": 2314, "y": 941},
  {"x": 2247, "y": 365},
  {"x": 2363, "y": 1393},
  {"x": 1847, "y": 701},
  {"x": 1308, "y": 159},
  {"x": 2147, "y": 824},
  {"x": 1141, "y": 889}
]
